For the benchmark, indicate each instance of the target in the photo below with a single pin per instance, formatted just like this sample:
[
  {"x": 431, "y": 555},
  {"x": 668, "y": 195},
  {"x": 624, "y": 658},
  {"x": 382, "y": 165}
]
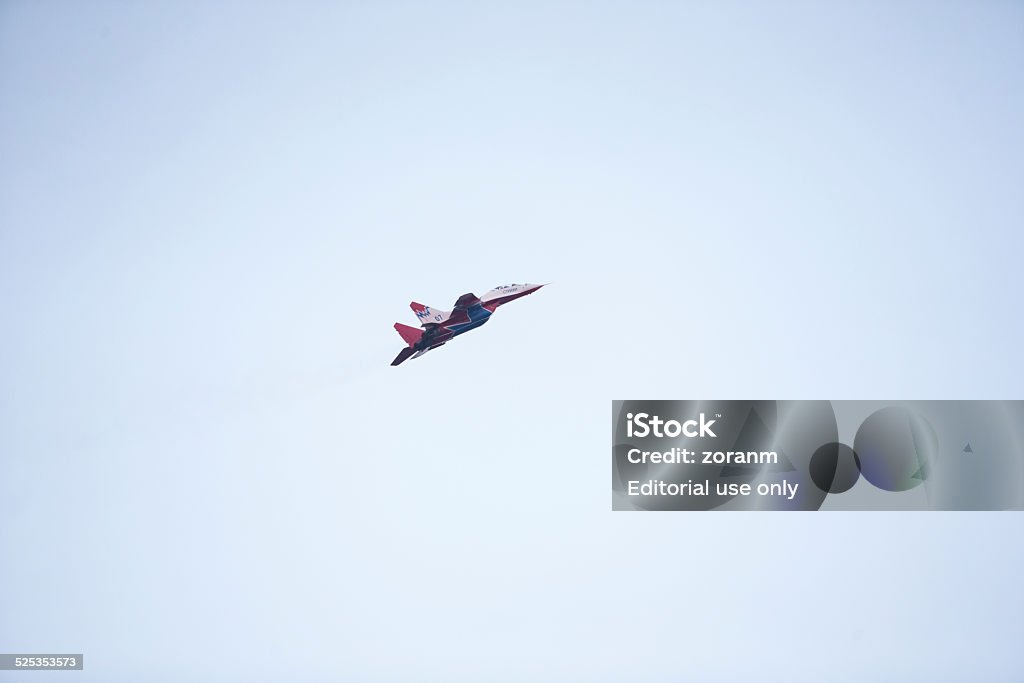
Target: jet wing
[{"x": 466, "y": 301}]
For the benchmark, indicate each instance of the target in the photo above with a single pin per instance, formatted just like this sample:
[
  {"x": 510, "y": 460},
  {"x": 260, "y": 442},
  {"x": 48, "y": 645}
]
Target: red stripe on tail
[{"x": 411, "y": 335}]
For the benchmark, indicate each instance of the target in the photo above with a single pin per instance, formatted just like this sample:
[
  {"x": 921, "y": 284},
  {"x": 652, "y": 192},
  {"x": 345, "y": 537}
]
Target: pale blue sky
[{"x": 212, "y": 213}]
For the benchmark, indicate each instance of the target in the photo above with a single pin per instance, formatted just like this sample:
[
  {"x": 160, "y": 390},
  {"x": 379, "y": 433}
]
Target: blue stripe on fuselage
[{"x": 478, "y": 315}]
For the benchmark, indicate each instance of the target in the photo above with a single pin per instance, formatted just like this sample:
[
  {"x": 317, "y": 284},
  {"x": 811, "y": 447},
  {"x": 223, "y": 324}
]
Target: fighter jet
[{"x": 439, "y": 327}]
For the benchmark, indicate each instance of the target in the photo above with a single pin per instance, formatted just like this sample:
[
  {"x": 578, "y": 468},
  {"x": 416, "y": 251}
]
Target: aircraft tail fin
[
  {"x": 402, "y": 355},
  {"x": 411, "y": 335},
  {"x": 428, "y": 315}
]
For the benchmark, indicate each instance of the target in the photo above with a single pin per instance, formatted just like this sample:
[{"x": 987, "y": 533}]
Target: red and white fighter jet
[{"x": 470, "y": 312}]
